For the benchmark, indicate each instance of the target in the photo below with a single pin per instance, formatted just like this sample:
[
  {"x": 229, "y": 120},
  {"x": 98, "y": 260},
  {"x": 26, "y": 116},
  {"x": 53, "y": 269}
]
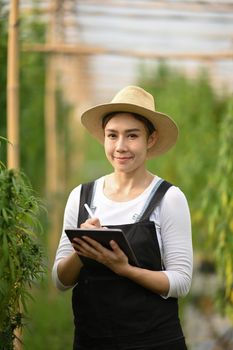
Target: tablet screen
[{"x": 104, "y": 236}]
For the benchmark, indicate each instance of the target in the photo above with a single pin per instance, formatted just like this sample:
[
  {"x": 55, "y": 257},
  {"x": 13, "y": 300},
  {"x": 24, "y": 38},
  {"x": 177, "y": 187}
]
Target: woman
[{"x": 117, "y": 305}]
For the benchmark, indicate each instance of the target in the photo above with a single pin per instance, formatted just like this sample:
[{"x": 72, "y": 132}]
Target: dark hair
[{"x": 147, "y": 123}]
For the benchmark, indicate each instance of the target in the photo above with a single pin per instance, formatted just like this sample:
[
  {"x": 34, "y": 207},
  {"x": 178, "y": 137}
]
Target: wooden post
[
  {"x": 13, "y": 87},
  {"x": 51, "y": 155},
  {"x": 50, "y": 127},
  {"x": 51, "y": 142},
  {"x": 13, "y": 106}
]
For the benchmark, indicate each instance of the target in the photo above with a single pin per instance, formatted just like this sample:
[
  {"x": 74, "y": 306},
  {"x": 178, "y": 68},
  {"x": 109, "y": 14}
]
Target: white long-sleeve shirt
[{"x": 172, "y": 222}]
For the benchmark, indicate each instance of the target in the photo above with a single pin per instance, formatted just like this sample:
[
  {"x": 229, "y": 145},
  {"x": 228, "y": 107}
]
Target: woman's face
[{"x": 127, "y": 142}]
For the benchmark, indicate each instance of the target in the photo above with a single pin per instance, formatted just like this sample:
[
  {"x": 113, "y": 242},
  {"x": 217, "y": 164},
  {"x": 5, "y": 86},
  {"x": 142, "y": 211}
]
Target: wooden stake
[
  {"x": 13, "y": 106},
  {"x": 13, "y": 87},
  {"x": 50, "y": 127},
  {"x": 51, "y": 145}
]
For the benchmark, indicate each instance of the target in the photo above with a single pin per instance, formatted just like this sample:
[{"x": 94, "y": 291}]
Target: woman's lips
[{"x": 122, "y": 159}]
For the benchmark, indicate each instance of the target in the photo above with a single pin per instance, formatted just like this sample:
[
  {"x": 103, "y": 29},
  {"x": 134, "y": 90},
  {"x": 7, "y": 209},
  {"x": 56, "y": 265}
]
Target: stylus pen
[{"x": 89, "y": 210}]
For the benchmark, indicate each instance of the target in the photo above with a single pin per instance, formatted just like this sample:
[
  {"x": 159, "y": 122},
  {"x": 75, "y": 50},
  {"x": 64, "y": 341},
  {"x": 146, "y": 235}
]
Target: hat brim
[{"x": 166, "y": 127}]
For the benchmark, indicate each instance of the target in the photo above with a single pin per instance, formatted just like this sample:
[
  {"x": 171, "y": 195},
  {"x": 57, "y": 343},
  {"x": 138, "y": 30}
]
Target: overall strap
[
  {"x": 85, "y": 197},
  {"x": 156, "y": 199}
]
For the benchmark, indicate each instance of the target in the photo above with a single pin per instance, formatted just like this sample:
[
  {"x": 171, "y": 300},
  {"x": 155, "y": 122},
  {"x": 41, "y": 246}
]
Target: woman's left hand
[{"x": 114, "y": 259}]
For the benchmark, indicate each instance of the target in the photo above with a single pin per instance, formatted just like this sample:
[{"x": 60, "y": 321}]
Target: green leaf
[{"x": 4, "y": 214}]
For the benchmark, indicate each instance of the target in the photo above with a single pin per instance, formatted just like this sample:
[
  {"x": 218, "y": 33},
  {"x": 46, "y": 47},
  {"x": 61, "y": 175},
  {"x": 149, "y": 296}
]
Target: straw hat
[{"x": 133, "y": 99}]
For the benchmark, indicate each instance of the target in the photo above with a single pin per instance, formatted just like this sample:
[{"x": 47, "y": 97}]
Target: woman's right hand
[{"x": 92, "y": 223}]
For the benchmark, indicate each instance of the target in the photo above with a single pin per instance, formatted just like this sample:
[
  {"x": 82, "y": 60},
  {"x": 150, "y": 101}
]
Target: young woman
[{"x": 117, "y": 305}]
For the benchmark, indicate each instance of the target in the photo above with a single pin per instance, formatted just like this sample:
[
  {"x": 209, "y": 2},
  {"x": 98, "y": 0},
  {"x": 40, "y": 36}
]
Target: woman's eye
[
  {"x": 111, "y": 136},
  {"x": 132, "y": 136}
]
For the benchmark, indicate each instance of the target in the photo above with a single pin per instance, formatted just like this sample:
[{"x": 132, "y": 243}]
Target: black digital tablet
[{"x": 104, "y": 236}]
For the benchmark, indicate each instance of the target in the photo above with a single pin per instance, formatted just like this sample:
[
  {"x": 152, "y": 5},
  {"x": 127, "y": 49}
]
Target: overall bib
[{"x": 112, "y": 312}]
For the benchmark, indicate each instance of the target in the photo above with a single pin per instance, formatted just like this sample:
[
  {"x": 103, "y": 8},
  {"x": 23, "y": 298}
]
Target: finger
[
  {"x": 76, "y": 245},
  {"x": 117, "y": 250},
  {"x": 101, "y": 250},
  {"x": 77, "y": 240},
  {"x": 87, "y": 225},
  {"x": 83, "y": 244},
  {"x": 79, "y": 243},
  {"x": 93, "y": 243},
  {"x": 90, "y": 248},
  {"x": 91, "y": 223},
  {"x": 86, "y": 250},
  {"x": 115, "y": 247}
]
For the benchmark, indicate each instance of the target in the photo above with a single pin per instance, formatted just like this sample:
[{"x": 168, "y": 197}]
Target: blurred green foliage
[
  {"x": 50, "y": 323},
  {"x": 32, "y": 133},
  {"x": 31, "y": 92},
  {"x": 32, "y": 86},
  {"x": 218, "y": 207},
  {"x": 21, "y": 255},
  {"x": 197, "y": 111}
]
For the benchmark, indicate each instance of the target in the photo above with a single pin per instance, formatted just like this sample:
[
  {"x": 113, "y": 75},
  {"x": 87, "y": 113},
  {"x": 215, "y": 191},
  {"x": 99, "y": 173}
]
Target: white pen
[{"x": 89, "y": 210}]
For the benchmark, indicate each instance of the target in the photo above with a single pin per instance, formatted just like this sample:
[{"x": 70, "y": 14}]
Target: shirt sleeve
[
  {"x": 176, "y": 238},
  {"x": 65, "y": 248}
]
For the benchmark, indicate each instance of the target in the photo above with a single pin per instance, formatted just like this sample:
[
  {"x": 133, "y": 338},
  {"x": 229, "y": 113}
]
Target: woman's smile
[{"x": 122, "y": 158}]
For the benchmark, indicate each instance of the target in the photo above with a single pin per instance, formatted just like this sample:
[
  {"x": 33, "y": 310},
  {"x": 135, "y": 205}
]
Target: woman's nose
[{"x": 120, "y": 144}]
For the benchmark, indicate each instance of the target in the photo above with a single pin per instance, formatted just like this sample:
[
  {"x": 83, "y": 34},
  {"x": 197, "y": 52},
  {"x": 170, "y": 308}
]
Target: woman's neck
[{"x": 123, "y": 186}]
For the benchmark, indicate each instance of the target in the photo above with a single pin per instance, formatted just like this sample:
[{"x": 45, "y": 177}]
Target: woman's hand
[
  {"x": 93, "y": 223},
  {"x": 114, "y": 259}
]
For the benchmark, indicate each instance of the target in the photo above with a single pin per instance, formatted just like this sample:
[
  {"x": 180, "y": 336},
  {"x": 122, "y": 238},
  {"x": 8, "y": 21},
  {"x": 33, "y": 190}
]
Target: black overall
[{"x": 112, "y": 312}]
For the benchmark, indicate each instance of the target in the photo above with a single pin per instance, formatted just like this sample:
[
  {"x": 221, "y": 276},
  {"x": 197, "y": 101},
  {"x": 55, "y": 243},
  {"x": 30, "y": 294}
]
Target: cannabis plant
[
  {"x": 21, "y": 256},
  {"x": 219, "y": 208}
]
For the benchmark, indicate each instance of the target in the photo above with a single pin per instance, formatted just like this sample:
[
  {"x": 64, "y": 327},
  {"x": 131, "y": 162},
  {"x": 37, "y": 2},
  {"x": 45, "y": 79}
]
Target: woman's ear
[{"x": 152, "y": 139}]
